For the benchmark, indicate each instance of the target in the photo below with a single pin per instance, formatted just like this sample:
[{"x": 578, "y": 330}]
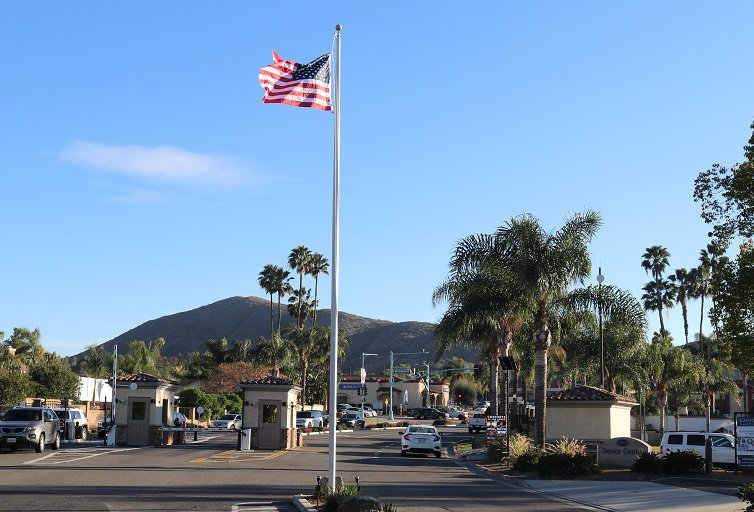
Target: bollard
[{"x": 708, "y": 456}]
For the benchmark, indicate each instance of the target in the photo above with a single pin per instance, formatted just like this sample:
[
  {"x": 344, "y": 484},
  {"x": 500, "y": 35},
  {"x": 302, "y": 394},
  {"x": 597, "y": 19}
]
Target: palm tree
[
  {"x": 682, "y": 282},
  {"x": 667, "y": 365},
  {"x": 274, "y": 352},
  {"x": 624, "y": 325},
  {"x": 317, "y": 265},
  {"x": 655, "y": 260},
  {"x": 300, "y": 305},
  {"x": 97, "y": 364},
  {"x": 298, "y": 260},
  {"x": 267, "y": 282},
  {"x": 282, "y": 286},
  {"x": 658, "y": 296},
  {"x": 482, "y": 310},
  {"x": 544, "y": 264},
  {"x": 309, "y": 345},
  {"x": 710, "y": 260}
]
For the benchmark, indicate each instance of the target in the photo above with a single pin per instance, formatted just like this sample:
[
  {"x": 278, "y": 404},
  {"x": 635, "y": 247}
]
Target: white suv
[
  {"x": 231, "y": 421},
  {"x": 723, "y": 445},
  {"x": 309, "y": 419},
  {"x": 75, "y": 421}
]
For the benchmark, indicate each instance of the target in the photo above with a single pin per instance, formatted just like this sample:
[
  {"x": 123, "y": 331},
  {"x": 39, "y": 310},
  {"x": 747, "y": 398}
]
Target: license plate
[
  {"x": 10, "y": 440},
  {"x": 422, "y": 440}
]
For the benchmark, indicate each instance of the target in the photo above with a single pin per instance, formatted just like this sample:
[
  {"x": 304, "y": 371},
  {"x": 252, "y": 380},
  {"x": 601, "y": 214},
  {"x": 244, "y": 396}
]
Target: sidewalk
[{"x": 634, "y": 496}]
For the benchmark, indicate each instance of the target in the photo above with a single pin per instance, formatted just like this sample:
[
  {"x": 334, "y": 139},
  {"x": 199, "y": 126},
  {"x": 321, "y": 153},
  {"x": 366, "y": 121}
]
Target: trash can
[{"x": 246, "y": 439}]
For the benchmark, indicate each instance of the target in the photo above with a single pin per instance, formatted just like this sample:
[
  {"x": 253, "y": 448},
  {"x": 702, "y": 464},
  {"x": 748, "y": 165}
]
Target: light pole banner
[{"x": 745, "y": 441}]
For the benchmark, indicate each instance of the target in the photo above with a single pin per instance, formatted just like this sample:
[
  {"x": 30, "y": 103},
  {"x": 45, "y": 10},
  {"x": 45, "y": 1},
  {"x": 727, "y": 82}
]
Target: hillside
[{"x": 238, "y": 318}]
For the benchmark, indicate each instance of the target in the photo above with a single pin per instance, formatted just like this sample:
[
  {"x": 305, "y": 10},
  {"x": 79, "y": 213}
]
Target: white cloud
[{"x": 165, "y": 164}]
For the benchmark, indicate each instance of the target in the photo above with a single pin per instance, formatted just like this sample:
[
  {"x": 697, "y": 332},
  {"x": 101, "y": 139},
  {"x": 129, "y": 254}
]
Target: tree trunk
[
  {"x": 542, "y": 340},
  {"x": 272, "y": 316},
  {"x": 316, "y": 304},
  {"x": 494, "y": 366}
]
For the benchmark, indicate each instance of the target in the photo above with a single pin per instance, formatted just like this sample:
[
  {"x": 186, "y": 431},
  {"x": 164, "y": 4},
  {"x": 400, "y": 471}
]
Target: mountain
[{"x": 238, "y": 318}]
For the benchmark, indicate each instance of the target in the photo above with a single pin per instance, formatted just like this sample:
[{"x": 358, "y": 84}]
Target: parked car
[
  {"x": 75, "y": 421},
  {"x": 352, "y": 420},
  {"x": 310, "y": 419},
  {"x": 429, "y": 412},
  {"x": 421, "y": 439},
  {"x": 30, "y": 427},
  {"x": 477, "y": 422},
  {"x": 723, "y": 445},
  {"x": 458, "y": 414},
  {"x": 231, "y": 421},
  {"x": 369, "y": 412}
]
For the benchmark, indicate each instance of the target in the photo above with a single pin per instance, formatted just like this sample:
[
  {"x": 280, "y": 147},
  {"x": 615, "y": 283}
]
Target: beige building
[{"x": 588, "y": 414}]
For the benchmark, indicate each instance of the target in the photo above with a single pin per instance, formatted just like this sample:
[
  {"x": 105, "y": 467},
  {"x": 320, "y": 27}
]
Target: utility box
[{"x": 246, "y": 440}]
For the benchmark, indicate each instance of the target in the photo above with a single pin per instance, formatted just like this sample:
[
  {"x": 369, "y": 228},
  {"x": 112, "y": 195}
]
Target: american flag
[{"x": 300, "y": 85}]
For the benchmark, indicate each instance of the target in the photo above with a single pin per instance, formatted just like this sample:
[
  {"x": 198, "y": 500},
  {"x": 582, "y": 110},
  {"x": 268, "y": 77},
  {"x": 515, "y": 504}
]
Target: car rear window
[
  {"x": 23, "y": 415},
  {"x": 675, "y": 439}
]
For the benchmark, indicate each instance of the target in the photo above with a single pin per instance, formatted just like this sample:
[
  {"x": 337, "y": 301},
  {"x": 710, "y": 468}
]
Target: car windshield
[
  {"x": 304, "y": 414},
  {"x": 23, "y": 415},
  {"x": 228, "y": 417}
]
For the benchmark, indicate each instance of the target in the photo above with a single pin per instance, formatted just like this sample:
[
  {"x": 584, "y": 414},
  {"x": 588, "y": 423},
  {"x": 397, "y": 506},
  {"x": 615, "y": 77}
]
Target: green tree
[
  {"x": 143, "y": 357},
  {"x": 483, "y": 305},
  {"x": 317, "y": 265},
  {"x": 624, "y": 327},
  {"x": 300, "y": 305},
  {"x": 28, "y": 344},
  {"x": 97, "y": 364},
  {"x": 310, "y": 345},
  {"x": 299, "y": 260},
  {"x": 53, "y": 378},
  {"x": 683, "y": 286},
  {"x": 667, "y": 366},
  {"x": 658, "y": 291},
  {"x": 275, "y": 352},
  {"x": 14, "y": 387},
  {"x": 544, "y": 264},
  {"x": 726, "y": 197},
  {"x": 282, "y": 285},
  {"x": 267, "y": 283}
]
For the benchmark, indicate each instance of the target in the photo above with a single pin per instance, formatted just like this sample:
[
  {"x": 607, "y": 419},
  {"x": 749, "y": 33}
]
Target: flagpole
[{"x": 335, "y": 256}]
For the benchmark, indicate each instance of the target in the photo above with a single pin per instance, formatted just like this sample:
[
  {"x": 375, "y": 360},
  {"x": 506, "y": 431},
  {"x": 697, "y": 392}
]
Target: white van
[{"x": 723, "y": 445}]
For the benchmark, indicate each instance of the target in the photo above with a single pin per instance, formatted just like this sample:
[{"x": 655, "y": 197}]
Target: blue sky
[{"x": 141, "y": 175}]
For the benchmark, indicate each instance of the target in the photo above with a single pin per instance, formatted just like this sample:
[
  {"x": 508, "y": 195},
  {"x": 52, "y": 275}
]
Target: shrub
[
  {"x": 566, "y": 446},
  {"x": 334, "y": 497},
  {"x": 517, "y": 446},
  {"x": 746, "y": 493},
  {"x": 497, "y": 450},
  {"x": 564, "y": 464},
  {"x": 683, "y": 462},
  {"x": 648, "y": 462},
  {"x": 528, "y": 460},
  {"x": 388, "y": 507}
]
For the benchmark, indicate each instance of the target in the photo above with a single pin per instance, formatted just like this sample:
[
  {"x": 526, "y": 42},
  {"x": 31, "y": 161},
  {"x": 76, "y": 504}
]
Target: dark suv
[
  {"x": 429, "y": 412},
  {"x": 30, "y": 427}
]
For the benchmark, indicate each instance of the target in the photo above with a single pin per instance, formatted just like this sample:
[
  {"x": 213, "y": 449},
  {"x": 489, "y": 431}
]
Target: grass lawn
[{"x": 463, "y": 446}]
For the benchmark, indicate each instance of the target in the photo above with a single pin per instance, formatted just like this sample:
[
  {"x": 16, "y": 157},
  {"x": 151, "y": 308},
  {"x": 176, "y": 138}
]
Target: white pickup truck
[{"x": 477, "y": 422}]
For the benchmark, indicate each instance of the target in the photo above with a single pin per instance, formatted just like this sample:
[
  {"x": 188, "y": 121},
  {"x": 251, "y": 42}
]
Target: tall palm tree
[
  {"x": 682, "y": 282},
  {"x": 310, "y": 345},
  {"x": 710, "y": 259},
  {"x": 655, "y": 261},
  {"x": 483, "y": 310},
  {"x": 658, "y": 296},
  {"x": 545, "y": 264},
  {"x": 317, "y": 265},
  {"x": 298, "y": 260},
  {"x": 267, "y": 283},
  {"x": 282, "y": 286}
]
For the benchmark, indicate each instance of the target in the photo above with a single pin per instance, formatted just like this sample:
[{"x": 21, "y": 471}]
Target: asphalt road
[{"x": 213, "y": 476}]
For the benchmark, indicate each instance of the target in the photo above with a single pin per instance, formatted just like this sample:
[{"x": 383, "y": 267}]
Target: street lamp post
[
  {"x": 363, "y": 380},
  {"x": 601, "y": 278},
  {"x": 392, "y": 357},
  {"x": 427, "y": 365}
]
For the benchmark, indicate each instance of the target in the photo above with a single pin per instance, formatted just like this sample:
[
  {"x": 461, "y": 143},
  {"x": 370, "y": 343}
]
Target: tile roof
[
  {"x": 588, "y": 394},
  {"x": 269, "y": 379},
  {"x": 143, "y": 377}
]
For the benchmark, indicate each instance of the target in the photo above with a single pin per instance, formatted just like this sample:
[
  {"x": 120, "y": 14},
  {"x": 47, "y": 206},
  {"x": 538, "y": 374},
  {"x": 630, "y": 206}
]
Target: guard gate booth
[
  {"x": 269, "y": 413},
  {"x": 144, "y": 404}
]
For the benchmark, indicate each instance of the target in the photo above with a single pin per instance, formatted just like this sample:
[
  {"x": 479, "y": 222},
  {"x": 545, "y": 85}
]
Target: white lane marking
[{"x": 63, "y": 456}]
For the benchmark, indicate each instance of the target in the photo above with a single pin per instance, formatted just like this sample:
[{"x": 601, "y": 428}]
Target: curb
[{"x": 302, "y": 504}]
